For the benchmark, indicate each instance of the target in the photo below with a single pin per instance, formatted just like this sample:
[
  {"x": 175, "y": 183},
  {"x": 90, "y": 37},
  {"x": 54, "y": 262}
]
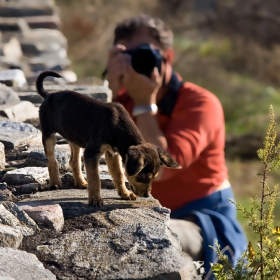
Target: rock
[
  {"x": 20, "y": 265},
  {"x": 13, "y": 77},
  {"x": 121, "y": 240},
  {"x": 14, "y": 134},
  {"x": 5, "y": 195},
  {"x": 2, "y": 156},
  {"x": 21, "y": 112},
  {"x": 26, "y": 175},
  {"x": 45, "y": 214},
  {"x": 11, "y": 24},
  {"x": 3, "y": 186},
  {"x": 12, "y": 48},
  {"x": 37, "y": 157},
  {"x": 33, "y": 97},
  {"x": 42, "y": 41},
  {"x": 8, "y": 97},
  {"x": 19, "y": 10},
  {"x": 28, "y": 188},
  {"x": 11, "y": 215},
  {"x": 50, "y": 60},
  {"x": 100, "y": 92},
  {"x": 9, "y": 237},
  {"x": 105, "y": 178}
]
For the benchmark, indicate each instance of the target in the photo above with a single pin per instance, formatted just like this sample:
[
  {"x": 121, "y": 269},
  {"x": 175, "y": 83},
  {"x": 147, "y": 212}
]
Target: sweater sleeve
[{"x": 191, "y": 129}]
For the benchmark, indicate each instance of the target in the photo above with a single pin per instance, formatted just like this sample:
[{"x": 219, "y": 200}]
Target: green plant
[{"x": 261, "y": 260}]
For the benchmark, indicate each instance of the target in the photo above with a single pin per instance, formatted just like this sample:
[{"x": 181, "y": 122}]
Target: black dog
[{"x": 99, "y": 128}]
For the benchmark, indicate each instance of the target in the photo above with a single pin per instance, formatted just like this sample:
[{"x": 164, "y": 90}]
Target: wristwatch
[{"x": 145, "y": 109}]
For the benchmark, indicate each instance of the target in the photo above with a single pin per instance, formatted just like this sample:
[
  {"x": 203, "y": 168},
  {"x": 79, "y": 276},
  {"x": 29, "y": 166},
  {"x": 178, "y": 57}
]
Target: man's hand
[
  {"x": 116, "y": 68},
  {"x": 142, "y": 89}
]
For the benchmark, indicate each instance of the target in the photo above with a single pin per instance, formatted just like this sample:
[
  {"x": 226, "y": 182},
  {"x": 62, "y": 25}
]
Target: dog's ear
[
  {"x": 166, "y": 159},
  {"x": 134, "y": 161}
]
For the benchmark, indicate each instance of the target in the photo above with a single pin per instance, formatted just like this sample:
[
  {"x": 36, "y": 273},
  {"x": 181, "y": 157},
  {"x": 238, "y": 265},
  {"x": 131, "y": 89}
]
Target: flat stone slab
[
  {"x": 14, "y": 134},
  {"x": 74, "y": 201},
  {"x": 123, "y": 239},
  {"x": 20, "y": 265},
  {"x": 102, "y": 93}
]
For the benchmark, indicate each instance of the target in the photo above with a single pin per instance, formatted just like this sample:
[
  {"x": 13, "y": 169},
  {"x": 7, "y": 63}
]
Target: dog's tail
[{"x": 40, "y": 79}]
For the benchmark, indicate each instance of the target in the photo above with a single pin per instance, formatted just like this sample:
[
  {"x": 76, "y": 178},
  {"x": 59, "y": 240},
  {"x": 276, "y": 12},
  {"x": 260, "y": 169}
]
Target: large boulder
[{"x": 121, "y": 240}]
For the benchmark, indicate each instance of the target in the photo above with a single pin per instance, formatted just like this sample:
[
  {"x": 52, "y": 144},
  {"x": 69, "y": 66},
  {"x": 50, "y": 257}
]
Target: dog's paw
[
  {"x": 82, "y": 185},
  {"x": 129, "y": 195},
  {"x": 54, "y": 187},
  {"x": 95, "y": 202}
]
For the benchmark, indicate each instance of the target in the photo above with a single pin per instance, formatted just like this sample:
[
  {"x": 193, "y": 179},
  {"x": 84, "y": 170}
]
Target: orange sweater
[{"x": 195, "y": 134}]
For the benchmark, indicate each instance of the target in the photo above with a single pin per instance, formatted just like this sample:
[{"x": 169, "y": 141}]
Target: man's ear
[
  {"x": 166, "y": 159},
  {"x": 134, "y": 161}
]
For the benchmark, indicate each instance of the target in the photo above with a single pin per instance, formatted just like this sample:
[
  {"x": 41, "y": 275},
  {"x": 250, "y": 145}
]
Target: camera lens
[{"x": 143, "y": 61}]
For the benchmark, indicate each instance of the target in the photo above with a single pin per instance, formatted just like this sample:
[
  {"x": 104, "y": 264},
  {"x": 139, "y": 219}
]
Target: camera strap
[{"x": 168, "y": 101}]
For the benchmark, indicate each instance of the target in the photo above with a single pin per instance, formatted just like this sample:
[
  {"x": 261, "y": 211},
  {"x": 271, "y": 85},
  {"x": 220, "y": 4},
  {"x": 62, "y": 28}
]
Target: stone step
[
  {"x": 12, "y": 24},
  {"x": 19, "y": 10}
]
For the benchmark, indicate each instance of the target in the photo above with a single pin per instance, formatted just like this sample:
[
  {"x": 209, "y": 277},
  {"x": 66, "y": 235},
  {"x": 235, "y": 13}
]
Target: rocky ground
[{"x": 67, "y": 239}]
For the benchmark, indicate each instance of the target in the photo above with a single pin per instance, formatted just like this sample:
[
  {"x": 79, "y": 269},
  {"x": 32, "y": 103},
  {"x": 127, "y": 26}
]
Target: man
[{"x": 188, "y": 122}]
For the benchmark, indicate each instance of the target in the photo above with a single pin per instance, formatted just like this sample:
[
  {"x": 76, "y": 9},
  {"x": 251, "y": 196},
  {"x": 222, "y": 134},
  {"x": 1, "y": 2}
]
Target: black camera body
[{"x": 144, "y": 59}]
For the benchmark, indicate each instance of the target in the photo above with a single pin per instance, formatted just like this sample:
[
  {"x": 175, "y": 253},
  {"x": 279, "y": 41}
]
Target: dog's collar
[{"x": 168, "y": 101}]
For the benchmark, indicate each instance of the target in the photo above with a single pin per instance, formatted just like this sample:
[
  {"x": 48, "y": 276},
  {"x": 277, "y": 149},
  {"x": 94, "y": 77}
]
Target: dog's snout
[{"x": 146, "y": 195}]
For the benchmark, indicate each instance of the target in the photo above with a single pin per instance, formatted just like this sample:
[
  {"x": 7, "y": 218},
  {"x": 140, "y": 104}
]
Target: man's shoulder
[{"x": 192, "y": 92}]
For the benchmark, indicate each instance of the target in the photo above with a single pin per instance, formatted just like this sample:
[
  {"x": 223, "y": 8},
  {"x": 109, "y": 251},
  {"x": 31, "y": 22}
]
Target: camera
[{"x": 144, "y": 59}]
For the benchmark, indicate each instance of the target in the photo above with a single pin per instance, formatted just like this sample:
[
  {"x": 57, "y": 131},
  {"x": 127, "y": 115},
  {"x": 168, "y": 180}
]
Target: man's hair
[{"x": 156, "y": 29}]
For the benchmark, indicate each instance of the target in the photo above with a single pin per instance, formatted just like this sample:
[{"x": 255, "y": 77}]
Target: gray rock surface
[
  {"x": 26, "y": 175},
  {"x": 29, "y": 188},
  {"x": 22, "y": 111},
  {"x": 38, "y": 158},
  {"x": 2, "y": 156},
  {"x": 8, "y": 97},
  {"x": 129, "y": 239},
  {"x": 20, "y": 265},
  {"x": 100, "y": 92},
  {"x": 14, "y": 134},
  {"x": 13, "y": 216},
  {"x": 13, "y": 77},
  {"x": 10, "y": 237},
  {"x": 25, "y": 10},
  {"x": 5, "y": 195}
]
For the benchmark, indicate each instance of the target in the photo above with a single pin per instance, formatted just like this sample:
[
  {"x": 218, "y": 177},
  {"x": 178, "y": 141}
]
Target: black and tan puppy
[{"x": 99, "y": 128}]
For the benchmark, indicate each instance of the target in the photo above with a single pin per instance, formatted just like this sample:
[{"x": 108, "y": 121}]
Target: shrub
[{"x": 261, "y": 260}]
